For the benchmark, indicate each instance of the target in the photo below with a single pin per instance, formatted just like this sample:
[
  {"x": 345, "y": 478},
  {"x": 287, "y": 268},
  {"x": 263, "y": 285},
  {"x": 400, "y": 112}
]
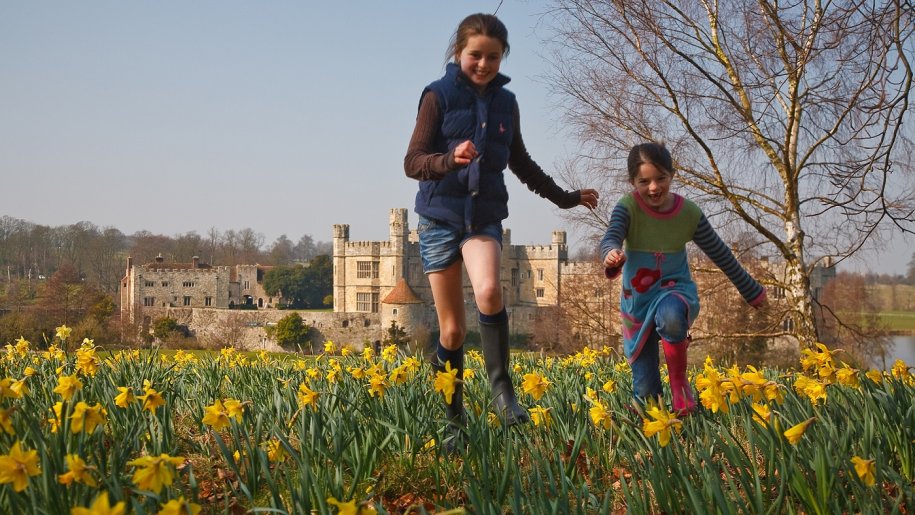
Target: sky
[{"x": 283, "y": 116}]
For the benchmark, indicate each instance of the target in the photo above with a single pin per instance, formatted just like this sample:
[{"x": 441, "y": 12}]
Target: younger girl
[
  {"x": 658, "y": 296},
  {"x": 467, "y": 132}
]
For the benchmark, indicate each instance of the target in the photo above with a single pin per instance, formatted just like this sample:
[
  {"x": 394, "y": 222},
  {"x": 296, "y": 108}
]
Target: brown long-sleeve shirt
[{"x": 423, "y": 164}]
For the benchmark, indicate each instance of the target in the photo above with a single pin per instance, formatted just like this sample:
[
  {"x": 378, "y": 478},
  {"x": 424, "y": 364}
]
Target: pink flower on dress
[{"x": 644, "y": 279}]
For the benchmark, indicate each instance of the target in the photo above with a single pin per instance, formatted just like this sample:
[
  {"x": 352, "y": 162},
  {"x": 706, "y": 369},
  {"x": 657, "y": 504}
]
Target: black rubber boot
[
  {"x": 494, "y": 339},
  {"x": 454, "y": 440}
]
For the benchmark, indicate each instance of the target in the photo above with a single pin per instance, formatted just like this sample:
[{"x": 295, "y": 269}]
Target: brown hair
[
  {"x": 477, "y": 25},
  {"x": 652, "y": 153}
]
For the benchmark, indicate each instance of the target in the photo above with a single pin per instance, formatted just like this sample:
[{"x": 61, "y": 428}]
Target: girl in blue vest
[
  {"x": 658, "y": 298},
  {"x": 467, "y": 132}
]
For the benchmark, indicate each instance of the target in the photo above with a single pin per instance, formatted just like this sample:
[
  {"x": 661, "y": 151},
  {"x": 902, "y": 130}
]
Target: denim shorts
[{"x": 440, "y": 244}]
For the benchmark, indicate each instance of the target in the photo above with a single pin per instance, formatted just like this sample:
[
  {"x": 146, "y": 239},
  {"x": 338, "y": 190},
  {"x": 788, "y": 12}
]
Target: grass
[{"x": 899, "y": 321}]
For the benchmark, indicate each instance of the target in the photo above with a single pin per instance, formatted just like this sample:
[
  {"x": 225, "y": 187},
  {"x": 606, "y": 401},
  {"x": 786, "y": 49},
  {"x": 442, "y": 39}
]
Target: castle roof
[
  {"x": 401, "y": 294},
  {"x": 175, "y": 266}
]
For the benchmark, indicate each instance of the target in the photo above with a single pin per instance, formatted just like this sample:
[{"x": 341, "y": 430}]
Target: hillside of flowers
[{"x": 85, "y": 431}]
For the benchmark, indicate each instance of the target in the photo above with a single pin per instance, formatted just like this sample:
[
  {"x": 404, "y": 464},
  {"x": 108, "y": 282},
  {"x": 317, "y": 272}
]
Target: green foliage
[
  {"x": 164, "y": 327},
  {"x": 396, "y": 335},
  {"x": 289, "y": 331},
  {"x": 302, "y": 286}
]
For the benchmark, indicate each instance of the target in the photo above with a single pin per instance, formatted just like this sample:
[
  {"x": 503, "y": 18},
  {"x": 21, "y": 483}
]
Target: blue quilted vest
[{"x": 474, "y": 195}]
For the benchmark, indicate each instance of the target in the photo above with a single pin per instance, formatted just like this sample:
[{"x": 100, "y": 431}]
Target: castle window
[
  {"x": 367, "y": 302},
  {"x": 345, "y": 323},
  {"x": 367, "y": 269},
  {"x": 208, "y": 301},
  {"x": 150, "y": 284},
  {"x": 539, "y": 274},
  {"x": 394, "y": 311},
  {"x": 187, "y": 300},
  {"x": 528, "y": 273},
  {"x": 164, "y": 284},
  {"x": 247, "y": 285},
  {"x": 514, "y": 277},
  {"x": 149, "y": 301},
  {"x": 188, "y": 284},
  {"x": 540, "y": 293}
]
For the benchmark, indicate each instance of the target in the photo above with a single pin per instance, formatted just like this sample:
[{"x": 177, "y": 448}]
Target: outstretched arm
[
  {"x": 538, "y": 181},
  {"x": 713, "y": 246},
  {"x": 611, "y": 246}
]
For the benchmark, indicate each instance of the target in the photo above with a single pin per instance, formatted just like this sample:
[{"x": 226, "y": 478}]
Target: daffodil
[
  {"x": 6, "y": 389},
  {"x": 154, "y": 472},
  {"x": 215, "y": 416},
  {"x": 125, "y": 398},
  {"x": 762, "y": 415},
  {"x": 67, "y": 386},
  {"x": 900, "y": 371},
  {"x": 398, "y": 375},
  {"x": 535, "y": 385},
  {"x": 794, "y": 433},
  {"x": 711, "y": 389},
  {"x": 18, "y": 466},
  {"x": 77, "y": 471},
  {"x": 86, "y": 360},
  {"x": 329, "y": 347},
  {"x": 662, "y": 424},
  {"x": 874, "y": 375},
  {"x": 87, "y": 417},
  {"x": 6, "y": 420},
  {"x": 866, "y": 470},
  {"x": 351, "y": 507},
  {"x": 63, "y": 332},
  {"x": 307, "y": 397},
  {"x": 235, "y": 408},
  {"x": 151, "y": 399},
  {"x": 55, "y": 420},
  {"x": 389, "y": 353},
  {"x": 180, "y": 506},
  {"x": 275, "y": 450},
  {"x": 101, "y": 506},
  {"x": 848, "y": 376},
  {"x": 600, "y": 415},
  {"x": 541, "y": 416},
  {"x": 609, "y": 386},
  {"x": 446, "y": 381}
]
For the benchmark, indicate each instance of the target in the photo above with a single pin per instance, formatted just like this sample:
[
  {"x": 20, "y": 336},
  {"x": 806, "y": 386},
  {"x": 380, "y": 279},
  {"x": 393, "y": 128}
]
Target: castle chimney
[
  {"x": 159, "y": 258},
  {"x": 196, "y": 260}
]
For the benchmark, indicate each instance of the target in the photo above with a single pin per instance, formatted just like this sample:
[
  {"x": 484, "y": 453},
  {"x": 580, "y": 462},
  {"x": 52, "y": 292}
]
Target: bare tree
[{"x": 786, "y": 117}]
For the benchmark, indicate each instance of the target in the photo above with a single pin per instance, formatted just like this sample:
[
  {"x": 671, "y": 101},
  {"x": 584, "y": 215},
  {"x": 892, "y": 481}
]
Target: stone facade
[
  {"x": 365, "y": 273},
  {"x": 149, "y": 289}
]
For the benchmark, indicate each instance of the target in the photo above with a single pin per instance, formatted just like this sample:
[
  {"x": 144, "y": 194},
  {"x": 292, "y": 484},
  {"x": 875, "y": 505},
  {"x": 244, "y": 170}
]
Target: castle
[{"x": 375, "y": 283}]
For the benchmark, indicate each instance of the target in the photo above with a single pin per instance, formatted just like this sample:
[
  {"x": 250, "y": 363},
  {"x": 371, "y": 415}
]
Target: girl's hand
[
  {"x": 465, "y": 153},
  {"x": 588, "y": 198},
  {"x": 615, "y": 259}
]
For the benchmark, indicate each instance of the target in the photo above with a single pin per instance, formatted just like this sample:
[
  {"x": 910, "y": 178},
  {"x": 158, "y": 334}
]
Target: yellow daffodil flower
[
  {"x": 6, "y": 421},
  {"x": 18, "y": 466},
  {"x": 848, "y": 376},
  {"x": 87, "y": 417},
  {"x": 101, "y": 506},
  {"x": 874, "y": 375},
  {"x": 275, "y": 451},
  {"x": 180, "y": 506},
  {"x": 762, "y": 415},
  {"x": 307, "y": 397},
  {"x": 151, "y": 400},
  {"x": 63, "y": 332},
  {"x": 67, "y": 386},
  {"x": 795, "y": 432},
  {"x": 351, "y": 507},
  {"x": 541, "y": 416},
  {"x": 446, "y": 382},
  {"x": 77, "y": 471},
  {"x": 866, "y": 470},
  {"x": 900, "y": 371},
  {"x": 662, "y": 424},
  {"x": 600, "y": 415},
  {"x": 329, "y": 347},
  {"x": 377, "y": 385},
  {"x": 125, "y": 398},
  {"x": 154, "y": 472},
  {"x": 609, "y": 386},
  {"x": 535, "y": 385},
  {"x": 215, "y": 416}
]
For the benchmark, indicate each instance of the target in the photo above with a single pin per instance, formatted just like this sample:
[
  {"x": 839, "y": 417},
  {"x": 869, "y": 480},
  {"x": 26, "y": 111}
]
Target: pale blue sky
[{"x": 282, "y": 116}]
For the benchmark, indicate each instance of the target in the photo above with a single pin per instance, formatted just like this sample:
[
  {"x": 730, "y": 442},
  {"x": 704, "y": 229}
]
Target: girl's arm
[
  {"x": 421, "y": 162},
  {"x": 530, "y": 173},
  {"x": 613, "y": 240},
  {"x": 710, "y": 243}
]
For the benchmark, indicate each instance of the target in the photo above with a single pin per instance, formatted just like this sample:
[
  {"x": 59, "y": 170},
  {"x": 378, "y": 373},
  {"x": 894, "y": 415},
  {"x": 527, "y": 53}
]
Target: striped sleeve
[
  {"x": 708, "y": 240},
  {"x": 614, "y": 237}
]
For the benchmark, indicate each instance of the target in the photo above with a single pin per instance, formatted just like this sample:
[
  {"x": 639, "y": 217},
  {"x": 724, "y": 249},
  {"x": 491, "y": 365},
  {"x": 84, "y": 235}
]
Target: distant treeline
[{"x": 34, "y": 252}]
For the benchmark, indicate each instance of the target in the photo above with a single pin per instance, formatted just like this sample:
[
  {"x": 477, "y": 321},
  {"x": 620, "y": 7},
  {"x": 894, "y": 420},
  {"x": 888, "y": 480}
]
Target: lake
[{"x": 901, "y": 347}]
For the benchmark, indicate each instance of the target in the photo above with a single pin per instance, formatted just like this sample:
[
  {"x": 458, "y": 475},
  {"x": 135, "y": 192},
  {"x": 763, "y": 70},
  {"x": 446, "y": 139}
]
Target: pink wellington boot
[{"x": 680, "y": 389}]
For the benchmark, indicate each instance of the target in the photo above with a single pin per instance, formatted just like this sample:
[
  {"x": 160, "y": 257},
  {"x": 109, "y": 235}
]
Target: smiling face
[
  {"x": 480, "y": 59},
  {"x": 653, "y": 185}
]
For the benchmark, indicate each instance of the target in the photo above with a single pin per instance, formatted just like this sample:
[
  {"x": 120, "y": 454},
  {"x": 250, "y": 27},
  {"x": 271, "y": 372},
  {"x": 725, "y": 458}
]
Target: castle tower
[
  {"x": 399, "y": 236},
  {"x": 341, "y": 238},
  {"x": 559, "y": 241}
]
